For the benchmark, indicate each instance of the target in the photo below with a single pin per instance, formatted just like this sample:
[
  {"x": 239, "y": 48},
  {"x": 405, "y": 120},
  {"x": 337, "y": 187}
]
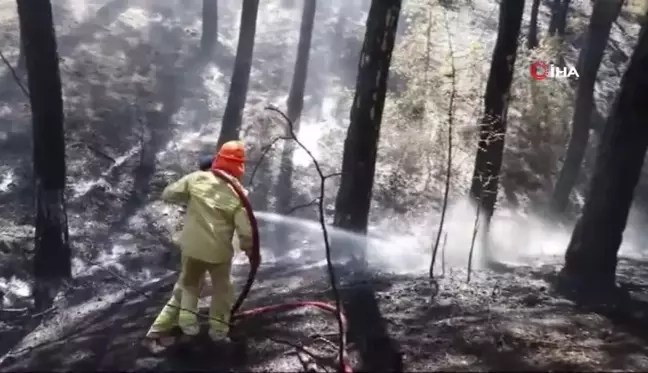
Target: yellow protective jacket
[{"x": 214, "y": 212}]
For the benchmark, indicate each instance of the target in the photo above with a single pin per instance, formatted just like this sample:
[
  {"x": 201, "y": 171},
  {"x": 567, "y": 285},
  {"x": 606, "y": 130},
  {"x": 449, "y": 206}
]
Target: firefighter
[{"x": 214, "y": 213}]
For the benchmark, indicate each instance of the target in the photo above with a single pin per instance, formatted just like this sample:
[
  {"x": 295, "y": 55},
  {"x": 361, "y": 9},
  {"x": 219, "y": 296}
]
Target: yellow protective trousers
[{"x": 182, "y": 308}]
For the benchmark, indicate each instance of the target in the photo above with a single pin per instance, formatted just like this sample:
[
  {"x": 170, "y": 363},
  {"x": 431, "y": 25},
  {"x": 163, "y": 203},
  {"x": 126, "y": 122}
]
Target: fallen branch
[
  {"x": 327, "y": 245},
  {"x": 15, "y": 75},
  {"x": 94, "y": 150}
]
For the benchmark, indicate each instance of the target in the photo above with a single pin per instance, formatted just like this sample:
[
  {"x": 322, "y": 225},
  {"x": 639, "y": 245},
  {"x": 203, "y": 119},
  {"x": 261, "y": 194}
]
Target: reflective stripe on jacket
[{"x": 214, "y": 212}]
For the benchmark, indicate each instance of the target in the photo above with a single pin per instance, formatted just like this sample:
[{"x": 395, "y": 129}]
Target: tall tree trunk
[
  {"x": 361, "y": 144},
  {"x": 377, "y": 351},
  {"x": 490, "y": 149},
  {"x": 209, "y": 36},
  {"x": 591, "y": 256},
  {"x": 561, "y": 25},
  {"x": 233, "y": 116},
  {"x": 603, "y": 15},
  {"x": 296, "y": 95},
  {"x": 296, "y": 102},
  {"x": 532, "y": 36},
  {"x": 52, "y": 249},
  {"x": 21, "y": 55},
  {"x": 558, "y": 20}
]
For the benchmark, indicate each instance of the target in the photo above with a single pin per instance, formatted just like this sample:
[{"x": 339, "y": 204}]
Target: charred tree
[
  {"x": 490, "y": 149},
  {"x": 296, "y": 95},
  {"x": 603, "y": 15},
  {"x": 209, "y": 36},
  {"x": 558, "y": 20},
  {"x": 377, "y": 351},
  {"x": 591, "y": 256},
  {"x": 21, "y": 55},
  {"x": 361, "y": 144},
  {"x": 295, "y": 102},
  {"x": 52, "y": 248},
  {"x": 532, "y": 36},
  {"x": 233, "y": 116}
]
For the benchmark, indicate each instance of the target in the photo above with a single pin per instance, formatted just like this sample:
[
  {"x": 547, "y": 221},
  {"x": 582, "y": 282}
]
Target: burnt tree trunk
[
  {"x": 361, "y": 144},
  {"x": 377, "y": 351},
  {"x": 21, "y": 55},
  {"x": 52, "y": 249},
  {"x": 488, "y": 161},
  {"x": 296, "y": 95},
  {"x": 603, "y": 16},
  {"x": 558, "y": 20},
  {"x": 532, "y": 36},
  {"x": 295, "y": 103},
  {"x": 233, "y": 116},
  {"x": 209, "y": 36},
  {"x": 591, "y": 256}
]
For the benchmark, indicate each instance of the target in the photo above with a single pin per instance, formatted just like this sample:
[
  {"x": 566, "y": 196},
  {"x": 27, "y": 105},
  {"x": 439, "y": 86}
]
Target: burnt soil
[{"x": 509, "y": 320}]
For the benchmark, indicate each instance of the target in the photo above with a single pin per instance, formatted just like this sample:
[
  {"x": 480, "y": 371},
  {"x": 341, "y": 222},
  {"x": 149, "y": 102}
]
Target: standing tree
[
  {"x": 52, "y": 250},
  {"x": 558, "y": 21},
  {"x": 296, "y": 100},
  {"x": 209, "y": 36},
  {"x": 376, "y": 349},
  {"x": 532, "y": 35},
  {"x": 490, "y": 149},
  {"x": 21, "y": 55},
  {"x": 591, "y": 256},
  {"x": 603, "y": 15},
  {"x": 361, "y": 143},
  {"x": 233, "y": 116}
]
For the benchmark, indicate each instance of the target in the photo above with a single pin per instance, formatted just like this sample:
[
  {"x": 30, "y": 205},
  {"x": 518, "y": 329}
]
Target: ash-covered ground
[
  {"x": 499, "y": 321},
  {"x": 141, "y": 105}
]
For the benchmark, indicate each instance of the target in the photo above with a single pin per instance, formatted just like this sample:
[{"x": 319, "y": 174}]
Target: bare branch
[
  {"x": 15, "y": 75},
  {"x": 303, "y": 205},
  {"x": 264, "y": 152},
  {"x": 450, "y": 115},
  {"x": 336, "y": 174},
  {"x": 474, "y": 237},
  {"x": 327, "y": 245}
]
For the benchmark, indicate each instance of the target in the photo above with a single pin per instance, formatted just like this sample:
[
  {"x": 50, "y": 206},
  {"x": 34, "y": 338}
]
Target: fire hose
[{"x": 255, "y": 261}]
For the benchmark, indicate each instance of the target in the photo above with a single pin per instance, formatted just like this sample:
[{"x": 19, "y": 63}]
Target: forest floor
[
  {"x": 510, "y": 321},
  {"x": 141, "y": 106}
]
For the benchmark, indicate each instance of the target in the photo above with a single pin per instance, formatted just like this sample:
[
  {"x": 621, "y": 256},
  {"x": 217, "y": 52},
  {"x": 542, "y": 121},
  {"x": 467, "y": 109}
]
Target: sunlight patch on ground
[
  {"x": 12, "y": 288},
  {"x": 81, "y": 187},
  {"x": 309, "y": 135},
  {"x": 135, "y": 18},
  {"x": 78, "y": 9},
  {"x": 7, "y": 180},
  {"x": 215, "y": 83}
]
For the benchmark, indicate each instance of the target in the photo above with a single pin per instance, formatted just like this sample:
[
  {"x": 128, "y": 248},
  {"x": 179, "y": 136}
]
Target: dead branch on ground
[
  {"x": 93, "y": 149},
  {"x": 327, "y": 245},
  {"x": 446, "y": 191}
]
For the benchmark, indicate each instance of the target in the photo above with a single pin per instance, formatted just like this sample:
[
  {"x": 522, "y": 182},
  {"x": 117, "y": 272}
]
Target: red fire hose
[{"x": 255, "y": 261}]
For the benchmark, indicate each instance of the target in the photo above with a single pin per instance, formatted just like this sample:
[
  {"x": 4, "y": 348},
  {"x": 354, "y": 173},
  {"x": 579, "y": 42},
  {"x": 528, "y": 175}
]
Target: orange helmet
[{"x": 231, "y": 158}]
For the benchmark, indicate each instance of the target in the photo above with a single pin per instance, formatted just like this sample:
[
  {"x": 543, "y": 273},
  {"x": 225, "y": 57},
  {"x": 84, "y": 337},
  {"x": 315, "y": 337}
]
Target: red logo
[{"x": 539, "y": 70}]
